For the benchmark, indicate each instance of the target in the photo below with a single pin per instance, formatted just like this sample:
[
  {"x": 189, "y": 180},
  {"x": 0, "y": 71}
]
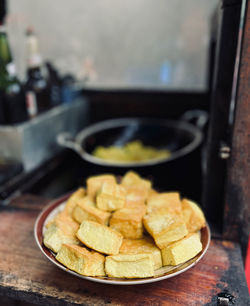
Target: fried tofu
[
  {"x": 132, "y": 181},
  {"x": 111, "y": 197},
  {"x": 134, "y": 204},
  {"x": 85, "y": 210},
  {"x": 135, "y": 197},
  {"x": 71, "y": 202},
  {"x": 136, "y": 193},
  {"x": 99, "y": 237},
  {"x": 168, "y": 200},
  {"x": 165, "y": 226},
  {"x": 128, "y": 221},
  {"x": 193, "y": 216},
  {"x": 86, "y": 201},
  {"x": 81, "y": 260},
  {"x": 152, "y": 192},
  {"x": 94, "y": 183},
  {"x": 140, "y": 246},
  {"x": 61, "y": 218},
  {"x": 129, "y": 266},
  {"x": 112, "y": 218},
  {"x": 182, "y": 250},
  {"x": 61, "y": 229},
  {"x": 65, "y": 222},
  {"x": 56, "y": 235}
]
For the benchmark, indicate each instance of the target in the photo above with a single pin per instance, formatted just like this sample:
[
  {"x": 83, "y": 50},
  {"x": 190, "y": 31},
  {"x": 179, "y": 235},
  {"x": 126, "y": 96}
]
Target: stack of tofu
[{"x": 124, "y": 230}]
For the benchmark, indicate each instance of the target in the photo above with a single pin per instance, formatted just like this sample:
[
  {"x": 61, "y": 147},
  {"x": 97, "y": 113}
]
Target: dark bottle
[
  {"x": 37, "y": 90},
  {"x": 55, "y": 85},
  {"x": 12, "y": 98}
]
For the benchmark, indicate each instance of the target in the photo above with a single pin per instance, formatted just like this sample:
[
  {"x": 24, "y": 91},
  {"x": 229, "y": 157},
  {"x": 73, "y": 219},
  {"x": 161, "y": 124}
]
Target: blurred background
[{"x": 117, "y": 44}]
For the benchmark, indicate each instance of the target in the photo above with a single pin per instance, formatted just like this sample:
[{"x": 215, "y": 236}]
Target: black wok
[{"x": 181, "y": 171}]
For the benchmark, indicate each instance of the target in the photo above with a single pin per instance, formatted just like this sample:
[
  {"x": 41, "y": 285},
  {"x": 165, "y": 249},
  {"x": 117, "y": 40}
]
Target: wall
[{"x": 118, "y": 44}]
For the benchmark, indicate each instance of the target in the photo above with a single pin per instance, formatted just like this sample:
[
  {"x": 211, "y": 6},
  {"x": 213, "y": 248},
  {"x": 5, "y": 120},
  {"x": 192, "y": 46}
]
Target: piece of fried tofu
[
  {"x": 94, "y": 183},
  {"x": 100, "y": 237},
  {"x": 132, "y": 181},
  {"x": 134, "y": 204},
  {"x": 65, "y": 222},
  {"x": 168, "y": 200},
  {"x": 81, "y": 260},
  {"x": 182, "y": 250},
  {"x": 165, "y": 226},
  {"x": 129, "y": 266},
  {"x": 152, "y": 192},
  {"x": 135, "y": 197},
  {"x": 60, "y": 218},
  {"x": 140, "y": 246},
  {"x": 193, "y": 216},
  {"x": 128, "y": 221},
  {"x": 56, "y": 235},
  {"x": 136, "y": 193},
  {"x": 85, "y": 210},
  {"x": 71, "y": 202},
  {"x": 111, "y": 197}
]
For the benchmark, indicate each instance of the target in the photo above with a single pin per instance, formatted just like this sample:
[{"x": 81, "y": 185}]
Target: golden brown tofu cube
[
  {"x": 71, "y": 202},
  {"x": 165, "y": 227},
  {"x": 141, "y": 246},
  {"x": 94, "y": 183},
  {"x": 56, "y": 235},
  {"x": 65, "y": 222},
  {"x": 129, "y": 265},
  {"x": 168, "y": 200},
  {"x": 81, "y": 260},
  {"x": 111, "y": 197},
  {"x": 136, "y": 193},
  {"x": 182, "y": 250},
  {"x": 132, "y": 181},
  {"x": 134, "y": 204},
  {"x": 193, "y": 216},
  {"x": 61, "y": 218},
  {"x": 128, "y": 221},
  {"x": 85, "y": 210},
  {"x": 100, "y": 237},
  {"x": 152, "y": 192},
  {"x": 135, "y": 196}
]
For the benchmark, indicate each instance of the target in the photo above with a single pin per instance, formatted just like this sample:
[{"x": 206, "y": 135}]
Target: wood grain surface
[{"x": 26, "y": 274}]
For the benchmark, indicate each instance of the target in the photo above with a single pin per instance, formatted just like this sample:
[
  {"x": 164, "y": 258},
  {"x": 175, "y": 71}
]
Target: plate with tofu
[{"x": 122, "y": 233}]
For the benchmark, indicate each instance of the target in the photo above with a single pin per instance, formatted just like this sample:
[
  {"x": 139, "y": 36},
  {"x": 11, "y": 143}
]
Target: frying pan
[{"x": 181, "y": 138}]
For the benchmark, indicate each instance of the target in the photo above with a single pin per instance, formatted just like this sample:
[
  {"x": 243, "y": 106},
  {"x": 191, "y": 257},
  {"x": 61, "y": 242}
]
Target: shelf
[{"x": 25, "y": 273}]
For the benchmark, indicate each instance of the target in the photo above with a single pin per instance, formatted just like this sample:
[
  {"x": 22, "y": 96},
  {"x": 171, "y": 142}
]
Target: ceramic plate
[{"x": 56, "y": 206}]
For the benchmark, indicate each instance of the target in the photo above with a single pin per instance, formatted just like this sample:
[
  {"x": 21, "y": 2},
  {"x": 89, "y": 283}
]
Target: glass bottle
[
  {"x": 12, "y": 97},
  {"x": 55, "y": 85},
  {"x": 37, "y": 90}
]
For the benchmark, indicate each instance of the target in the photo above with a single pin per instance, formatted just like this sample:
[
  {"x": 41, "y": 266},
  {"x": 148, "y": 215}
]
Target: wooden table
[{"x": 25, "y": 273}]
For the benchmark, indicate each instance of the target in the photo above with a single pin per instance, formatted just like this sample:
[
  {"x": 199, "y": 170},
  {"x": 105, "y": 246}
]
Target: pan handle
[
  {"x": 66, "y": 140},
  {"x": 198, "y": 117}
]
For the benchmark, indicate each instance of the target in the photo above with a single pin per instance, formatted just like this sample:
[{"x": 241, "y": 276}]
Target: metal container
[
  {"x": 34, "y": 141},
  {"x": 181, "y": 171}
]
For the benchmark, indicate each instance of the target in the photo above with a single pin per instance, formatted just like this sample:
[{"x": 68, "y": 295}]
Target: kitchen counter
[{"x": 25, "y": 273}]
